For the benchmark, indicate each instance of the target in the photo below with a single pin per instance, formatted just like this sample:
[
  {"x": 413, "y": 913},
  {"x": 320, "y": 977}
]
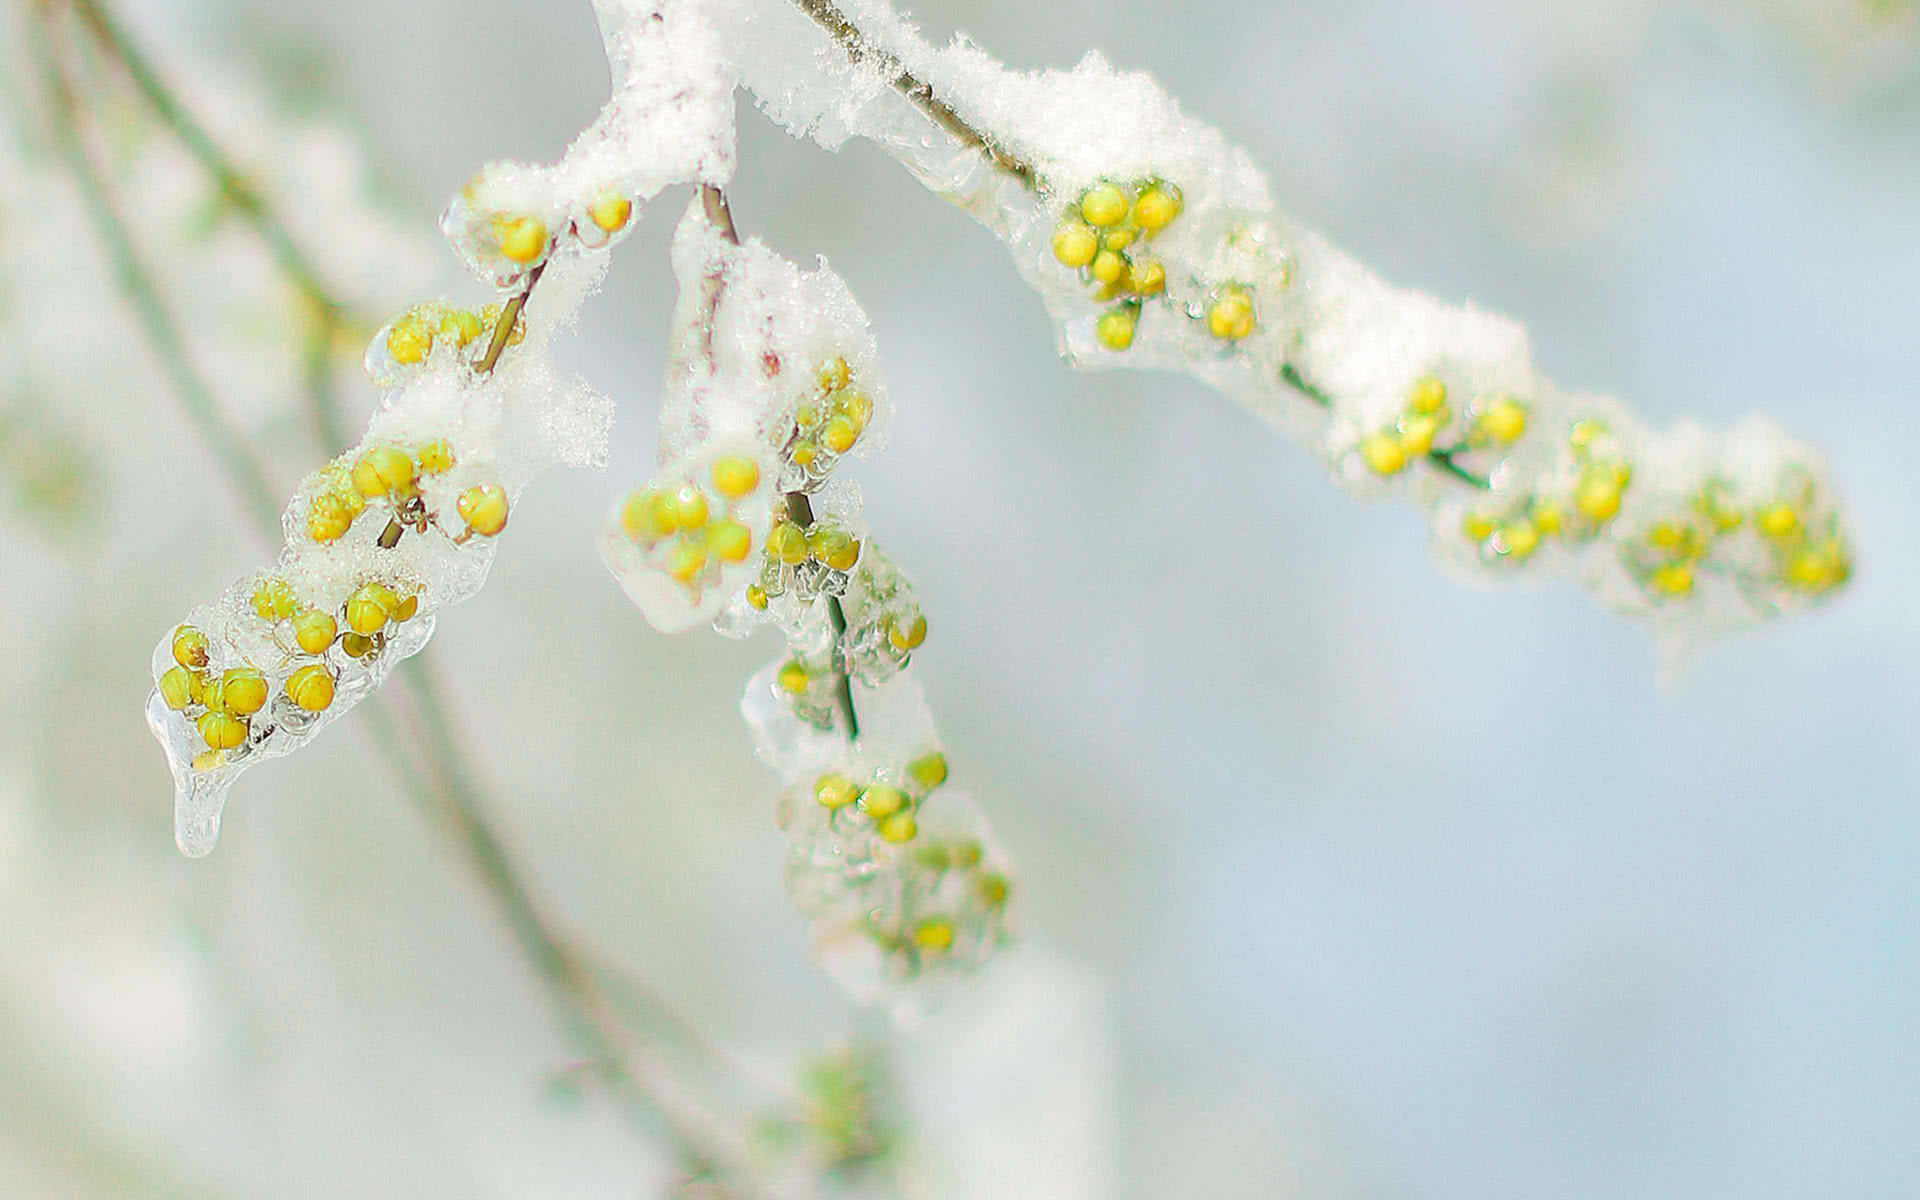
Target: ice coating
[
  {"x": 377, "y": 542},
  {"x": 668, "y": 120},
  {"x": 896, "y": 869},
  {"x": 771, "y": 381},
  {"x": 1154, "y": 243}
]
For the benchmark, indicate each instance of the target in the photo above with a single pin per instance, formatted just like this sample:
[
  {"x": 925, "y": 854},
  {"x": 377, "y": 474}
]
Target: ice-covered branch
[{"x": 1155, "y": 243}]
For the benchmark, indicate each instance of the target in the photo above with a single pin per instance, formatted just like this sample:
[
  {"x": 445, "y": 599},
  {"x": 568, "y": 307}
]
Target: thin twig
[
  {"x": 917, "y": 91},
  {"x": 232, "y": 181},
  {"x": 203, "y": 409}
]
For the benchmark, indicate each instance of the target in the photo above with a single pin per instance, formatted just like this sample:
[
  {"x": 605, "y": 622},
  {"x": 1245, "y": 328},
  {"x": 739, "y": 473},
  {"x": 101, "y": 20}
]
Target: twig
[
  {"x": 917, "y": 91},
  {"x": 799, "y": 507},
  {"x": 203, "y": 409}
]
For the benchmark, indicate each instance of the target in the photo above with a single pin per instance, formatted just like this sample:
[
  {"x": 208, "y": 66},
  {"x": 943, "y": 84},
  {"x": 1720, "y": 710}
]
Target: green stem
[
  {"x": 136, "y": 282},
  {"x": 231, "y": 180}
]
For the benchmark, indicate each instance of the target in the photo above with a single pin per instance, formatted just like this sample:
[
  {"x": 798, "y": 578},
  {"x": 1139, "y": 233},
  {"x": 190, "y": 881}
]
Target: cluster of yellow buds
[
  {"x": 403, "y": 345},
  {"x": 503, "y": 239},
  {"x": 1514, "y": 535},
  {"x": 693, "y": 526},
  {"x": 828, "y": 423},
  {"x": 1493, "y": 420},
  {"x": 886, "y": 801},
  {"x": 222, "y": 703},
  {"x": 804, "y": 561},
  {"x": 1808, "y": 551},
  {"x": 1106, "y": 236},
  {"x": 952, "y": 907},
  {"x": 393, "y": 479}
]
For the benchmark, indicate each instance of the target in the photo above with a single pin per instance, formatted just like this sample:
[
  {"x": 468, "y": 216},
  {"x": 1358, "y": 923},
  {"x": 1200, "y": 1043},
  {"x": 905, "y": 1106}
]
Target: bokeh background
[{"x": 1338, "y": 878}]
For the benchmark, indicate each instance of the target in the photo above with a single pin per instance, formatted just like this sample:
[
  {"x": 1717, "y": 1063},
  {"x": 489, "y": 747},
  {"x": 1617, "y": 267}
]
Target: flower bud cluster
[
  {"x": 895, "y": 868},
  {"x": 1155, "y": 243}
]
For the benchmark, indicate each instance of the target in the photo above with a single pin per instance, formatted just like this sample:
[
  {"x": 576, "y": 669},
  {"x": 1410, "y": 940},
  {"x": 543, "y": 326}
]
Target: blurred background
[{"x": 1337, "y": 878}]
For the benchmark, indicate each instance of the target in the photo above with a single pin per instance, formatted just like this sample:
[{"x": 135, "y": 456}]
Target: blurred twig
[{"x": 447, "y": 796}]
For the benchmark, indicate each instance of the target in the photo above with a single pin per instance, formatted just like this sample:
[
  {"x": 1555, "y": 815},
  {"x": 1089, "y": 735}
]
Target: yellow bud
[
  {"x": 835, "y": 374},
  {"x": 273, "y": 600},
  {"x": 729, "y": 541},
  {"x": 834, "y": 791},
  {"x": 436, "y": 457},
  {"x": 1428, "y": 395},
  {"x": 883, "y": 800},
  {"x": 1103, "y": 206},
  {"x": 190, "y": 647},
  {"x": 1819, "y": 568},
  {"x": 221, "y": 731},
  {"x": 803, "y": 453},
  {"x": 1597, "y": 496},
  {"x": 928, "y": 771},
  {"x": 368, "y": 609},
  {"x": 1477, "y": 528},
  {"x": 176, "y": 688},
  {"x": 992, "y": 889},
  {"x": 839, "y": 435},
  {"x": 757, "y": 597},
  {"x": 356, "y": 645},
  {"x": 788, "y": 543},
  {"x": 1383, "y": 453},
  {"x": 384, "y": 471},
  {"x": 484, "y": 508},
  {"x": 858, "y": 407},
  {"x": 1147, "y": 277},
  {"x": 522, "y": 239},
  {"x": 793, "y": 677},
  {"x": 314, "y": 631},
  {"x": 1115, "y": 327},
  {"x": 1074, "y": 244},
  {"x": 1156, "y": 207},
  {"x": 1778, "y": 521},
  {"x": 462, "y": 325},
  {"x": 735, "y": 476},
  {"x": 409, "y": 341},
  {"x": 1108, "y": 266},
  {"x": 1674, "y": 579},
  {"x": 1519, "y": 539},
  {"x": 610, "y": 211},
  {"x": 327, "y": 517},
  {"x": 311, "y": 688},
  {"x": 1503, "y": 421},
  {"x": 209, "y": 760},
  {"x": 907, "y": 635},
  {"x": 833, "y": 547},
  {"x": 1547, "y": 517},
  {"x": 405, "y": 610},
  {"x": 690, "y": 508},
  {"x": 966, "y": 853},
  {"x": 686, "y": 560},
  {"x": 1584, "y": 434},
  {"x": 1116, "y": 239},
  {"x": 649, "y": 515},
  {"x": 1668, "y": 535},
  {"x": 1416, "y": 435},
  {"x": 934, "y": 935},
  {"x": 1231, "y": 316},
  {"x": 244, "y": 691}
]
